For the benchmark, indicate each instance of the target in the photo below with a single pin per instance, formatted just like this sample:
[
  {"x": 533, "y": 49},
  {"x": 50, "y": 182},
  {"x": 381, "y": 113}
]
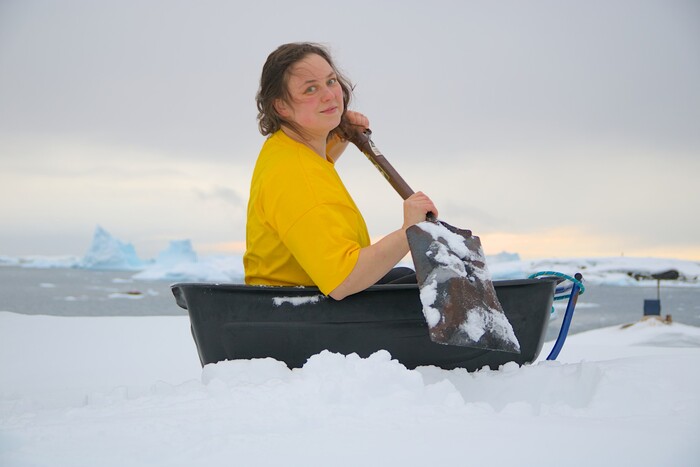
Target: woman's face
[{"x": 316, "y": 98}]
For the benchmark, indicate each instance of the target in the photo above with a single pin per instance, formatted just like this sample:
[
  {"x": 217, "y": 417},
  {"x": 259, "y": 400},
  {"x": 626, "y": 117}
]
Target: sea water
[{"x": 80, "y": 292}]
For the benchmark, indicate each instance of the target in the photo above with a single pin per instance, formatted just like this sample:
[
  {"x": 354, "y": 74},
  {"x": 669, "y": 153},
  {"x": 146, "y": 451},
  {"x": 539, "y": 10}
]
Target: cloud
[{"x": 221, "y": 193}]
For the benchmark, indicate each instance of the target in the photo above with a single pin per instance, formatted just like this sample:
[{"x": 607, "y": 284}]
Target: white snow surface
[
  {"x": 115, "y": 391},
  {"x": 296, "y": 301},
  {"x": 428, "y": 295},
  {"x": 481, "y": 319}
]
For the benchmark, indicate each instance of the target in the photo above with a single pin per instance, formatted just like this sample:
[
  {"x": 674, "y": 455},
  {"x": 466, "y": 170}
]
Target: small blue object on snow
[
  {"x": 574, "y": 288},
  {"x": 652, "y": 307}
]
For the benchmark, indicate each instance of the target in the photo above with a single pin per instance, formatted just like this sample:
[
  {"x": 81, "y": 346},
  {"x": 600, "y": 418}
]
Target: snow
[
  {"x": 479, "y": 320},
  {"x": 428, "y": 295},
  {"x": 450, "y": 251},
  {"x": 130, "y": 391},
  {"x": 296, "y": 301}
]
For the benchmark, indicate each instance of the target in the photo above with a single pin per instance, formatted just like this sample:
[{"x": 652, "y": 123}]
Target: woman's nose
[{"x": 327, "y": 93}]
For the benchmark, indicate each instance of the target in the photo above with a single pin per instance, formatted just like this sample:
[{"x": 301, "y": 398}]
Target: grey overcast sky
[{"x": 550, "y": 128}]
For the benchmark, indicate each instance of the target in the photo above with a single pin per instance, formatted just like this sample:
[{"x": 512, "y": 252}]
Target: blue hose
[{"x": 576, "y": 289}]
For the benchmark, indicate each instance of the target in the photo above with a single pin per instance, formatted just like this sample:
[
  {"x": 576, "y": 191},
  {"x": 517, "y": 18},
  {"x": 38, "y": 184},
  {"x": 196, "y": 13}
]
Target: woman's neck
[{"x": 316, "y": 143}]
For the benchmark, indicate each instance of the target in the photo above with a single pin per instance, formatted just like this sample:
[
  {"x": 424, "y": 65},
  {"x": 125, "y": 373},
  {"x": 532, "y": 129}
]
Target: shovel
[{"x": 459, "y": 301}]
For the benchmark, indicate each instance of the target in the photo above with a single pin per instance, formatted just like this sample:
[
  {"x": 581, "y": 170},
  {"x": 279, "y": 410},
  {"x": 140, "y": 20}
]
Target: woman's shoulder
[
  {"x": 278, "y": 142},
  {"x": 277, "y": 157},
  {"x": 282, "y": 154}
]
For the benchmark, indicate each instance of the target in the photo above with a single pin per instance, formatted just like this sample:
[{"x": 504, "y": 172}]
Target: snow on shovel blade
[{"x": 459, "y": 301}]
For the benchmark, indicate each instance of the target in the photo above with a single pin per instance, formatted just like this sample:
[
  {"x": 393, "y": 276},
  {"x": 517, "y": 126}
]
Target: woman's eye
[
  {"x": 310, "y": 89},
  {"x": 332, "y": 81}
]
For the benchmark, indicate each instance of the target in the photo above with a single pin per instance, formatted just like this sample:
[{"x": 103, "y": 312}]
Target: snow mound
[{"x": 377, "y": 381}]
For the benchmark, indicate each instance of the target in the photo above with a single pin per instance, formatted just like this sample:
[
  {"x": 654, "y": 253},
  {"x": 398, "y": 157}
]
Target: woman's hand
[
  {"x": 336, "y": 145},
  {"x": 416, "y": 207},
  {"x": 357, "y": 119}
]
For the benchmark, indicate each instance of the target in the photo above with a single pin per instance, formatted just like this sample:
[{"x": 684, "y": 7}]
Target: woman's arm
[
  {"x": 335, "y": 147},
  {"x": 379, "y": 258}
]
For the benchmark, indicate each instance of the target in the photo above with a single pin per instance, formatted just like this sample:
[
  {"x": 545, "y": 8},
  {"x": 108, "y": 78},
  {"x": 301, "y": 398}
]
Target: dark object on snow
[
  {"x": 459, "y": 301},
  {"x": 653, "y": 307},
  {"x": 670, "y": 275},
  {"x": 291, "y": 324}
]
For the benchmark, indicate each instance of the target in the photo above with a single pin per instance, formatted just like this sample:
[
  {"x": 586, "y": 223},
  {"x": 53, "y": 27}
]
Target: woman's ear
[{"x": 282, "y": 108}]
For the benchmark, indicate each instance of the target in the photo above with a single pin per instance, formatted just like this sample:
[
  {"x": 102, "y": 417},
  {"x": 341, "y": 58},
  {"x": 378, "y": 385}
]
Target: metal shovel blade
[{"x": 459, "y": 300}]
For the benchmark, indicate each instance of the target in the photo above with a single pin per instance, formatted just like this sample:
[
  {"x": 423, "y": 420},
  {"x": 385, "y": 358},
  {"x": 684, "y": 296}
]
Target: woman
[{"x": 303, "y": 227}]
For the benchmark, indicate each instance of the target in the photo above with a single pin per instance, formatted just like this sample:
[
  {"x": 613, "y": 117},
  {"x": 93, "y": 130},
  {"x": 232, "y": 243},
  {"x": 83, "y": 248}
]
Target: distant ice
[
  {"x": 179, "y": 262},
  {"x": 178, "y": 251},
  {"x": 109, "y": 253},
  {"x": 610, "y": 271},
  {"x": 217, "y": 269}
]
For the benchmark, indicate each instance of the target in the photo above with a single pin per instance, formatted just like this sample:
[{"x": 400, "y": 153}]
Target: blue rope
[
  {"x": 577, "y": 289},
  {"x": 559, "y": 290}
]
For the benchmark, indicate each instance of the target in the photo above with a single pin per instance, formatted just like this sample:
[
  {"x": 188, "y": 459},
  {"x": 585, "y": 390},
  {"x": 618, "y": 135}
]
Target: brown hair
[{"x": 273, "y": 85}]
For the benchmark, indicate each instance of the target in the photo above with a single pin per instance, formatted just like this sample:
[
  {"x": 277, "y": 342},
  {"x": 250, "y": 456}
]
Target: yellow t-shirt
[{"x": 303, "y": 227}]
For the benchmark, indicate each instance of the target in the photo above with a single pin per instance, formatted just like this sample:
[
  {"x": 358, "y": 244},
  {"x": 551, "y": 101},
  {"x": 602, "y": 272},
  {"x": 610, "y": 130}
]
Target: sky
[{"x": 548, "y": 128}]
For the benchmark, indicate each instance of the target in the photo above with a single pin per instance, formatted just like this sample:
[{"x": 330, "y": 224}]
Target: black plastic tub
[{"x": 291, "y": 324}]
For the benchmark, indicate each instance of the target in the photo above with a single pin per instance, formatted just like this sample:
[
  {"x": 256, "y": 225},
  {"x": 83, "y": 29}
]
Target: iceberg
[
  {"x": 505, "y": 265},
  {"x": 178, "y": 262},
  {"x": 109, "y": 253},
  {"x": 213, "y": 269},
  {"x": 178, "y": 251}
]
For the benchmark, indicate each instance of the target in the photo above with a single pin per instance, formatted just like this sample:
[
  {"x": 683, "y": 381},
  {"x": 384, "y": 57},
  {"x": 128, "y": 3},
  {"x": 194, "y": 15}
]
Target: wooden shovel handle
[{"x": 362, "y": 140}]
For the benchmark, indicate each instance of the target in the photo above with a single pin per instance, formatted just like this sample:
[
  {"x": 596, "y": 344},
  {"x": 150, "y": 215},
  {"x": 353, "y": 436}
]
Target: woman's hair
[{"x": 273, "y": 86}]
